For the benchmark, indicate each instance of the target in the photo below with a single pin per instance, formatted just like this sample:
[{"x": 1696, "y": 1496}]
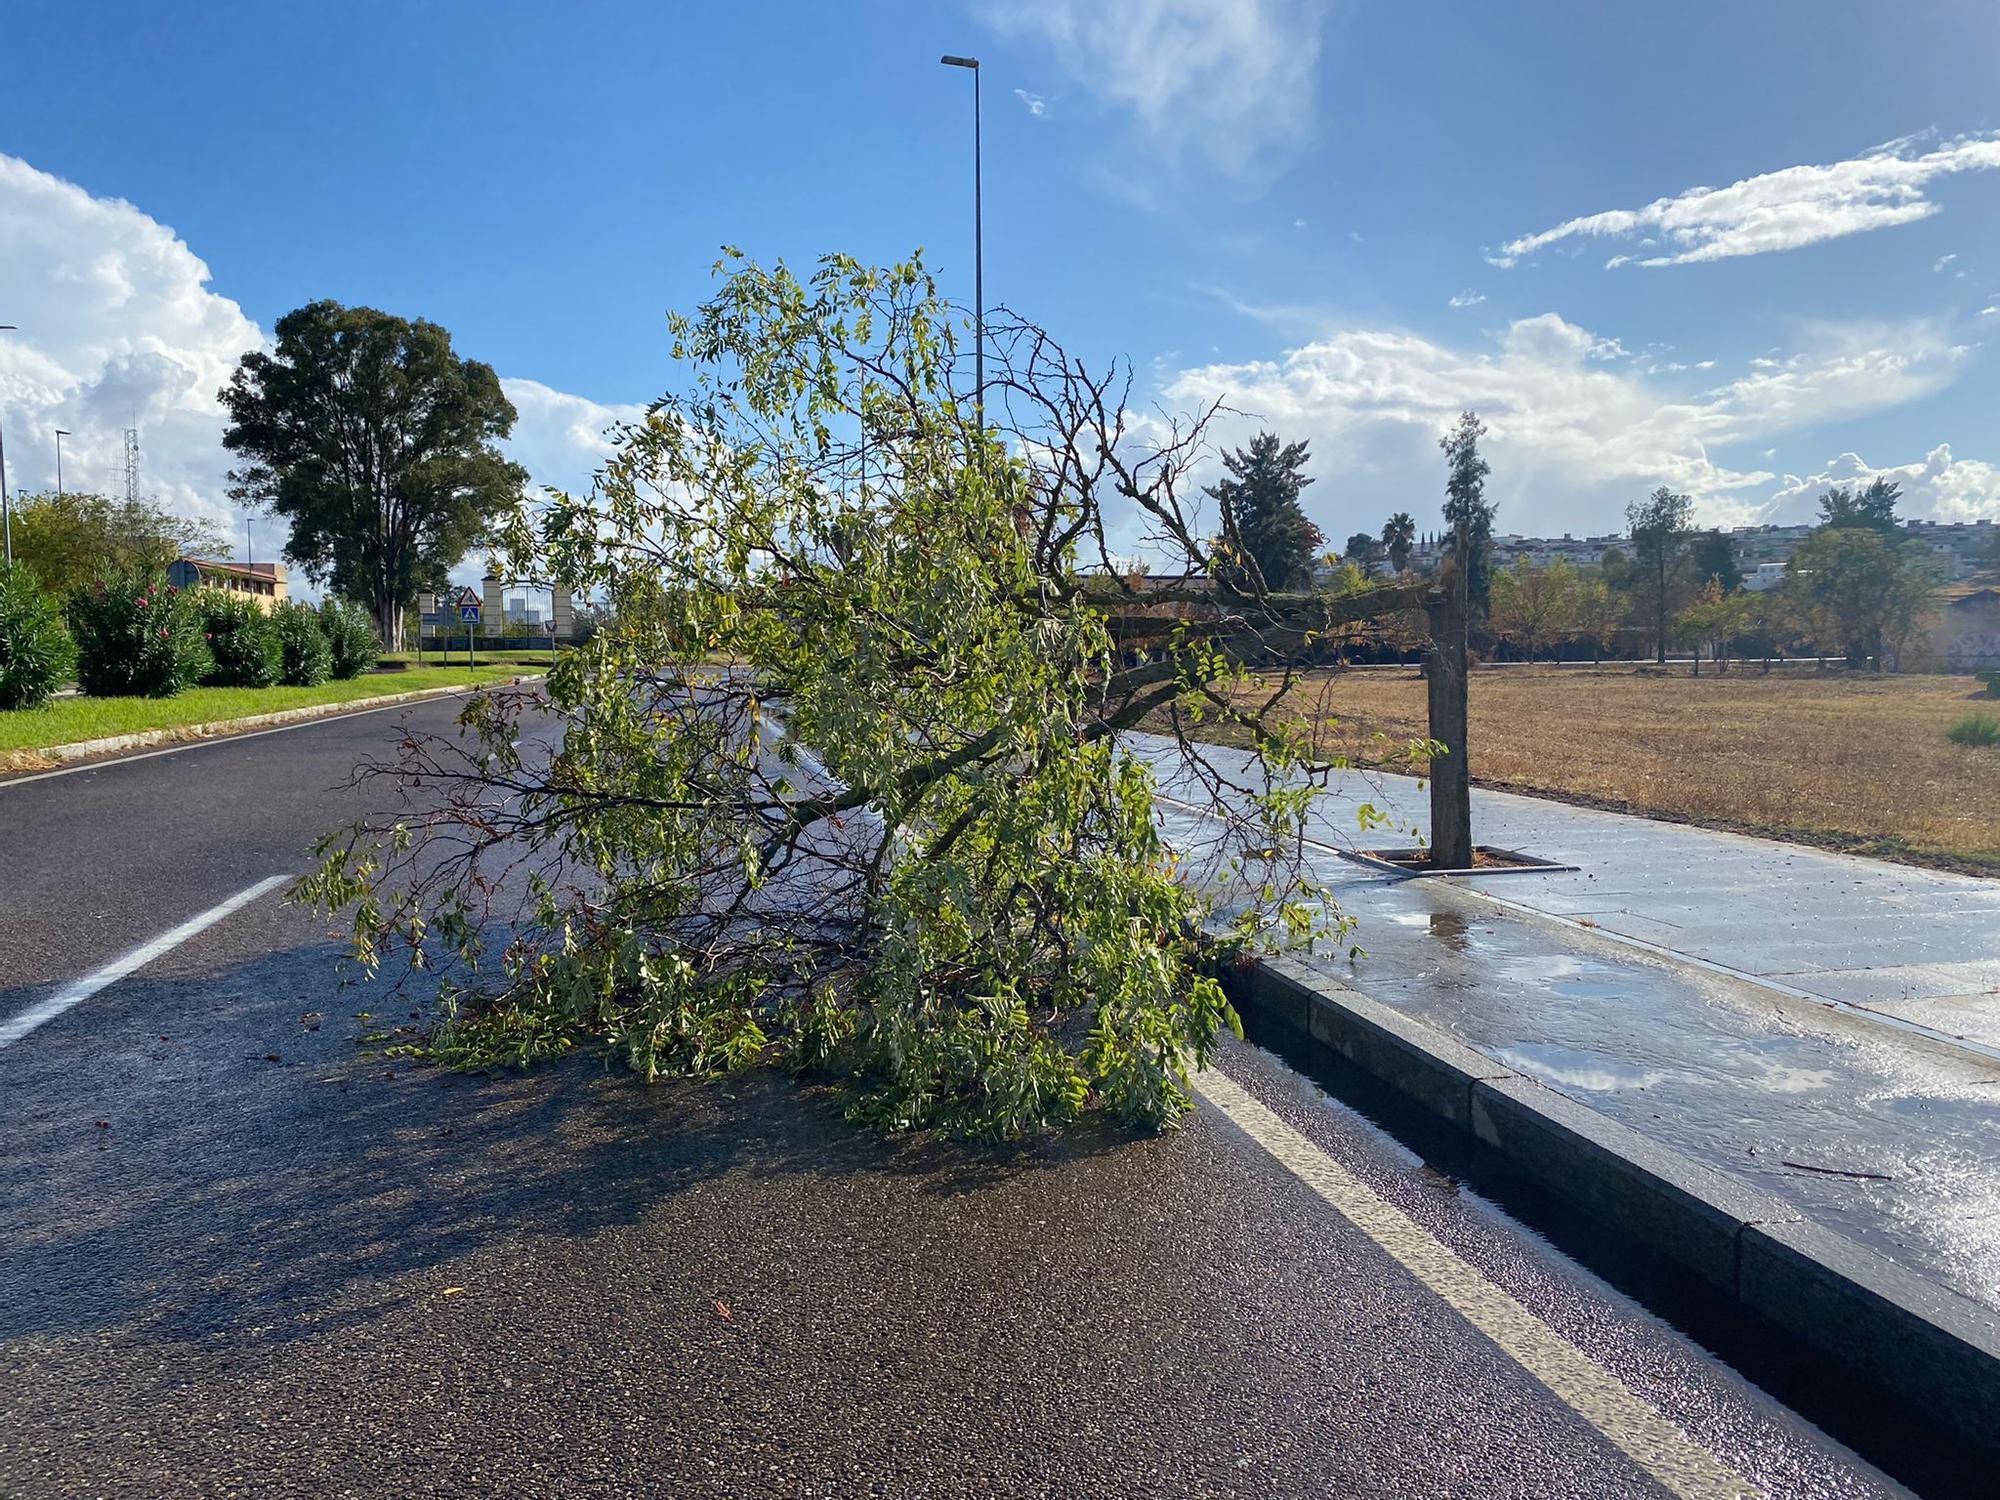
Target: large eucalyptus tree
[{"x": 375, "y": 440}]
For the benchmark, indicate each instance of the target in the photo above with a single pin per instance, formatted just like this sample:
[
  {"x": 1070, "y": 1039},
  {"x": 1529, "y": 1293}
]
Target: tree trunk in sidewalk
[{"x": 1451, "y": 781}]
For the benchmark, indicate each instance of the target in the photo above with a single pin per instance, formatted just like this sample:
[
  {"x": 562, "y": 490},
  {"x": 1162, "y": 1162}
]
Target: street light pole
[
  {"x": 6, "y": 496},
  {"x": 978, "y": 244},
  {"x": 60, "y": 435}
]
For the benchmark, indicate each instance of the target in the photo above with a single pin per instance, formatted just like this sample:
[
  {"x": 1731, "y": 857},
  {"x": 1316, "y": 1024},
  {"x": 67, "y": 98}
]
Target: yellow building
[{"x": 264, "y": 583}]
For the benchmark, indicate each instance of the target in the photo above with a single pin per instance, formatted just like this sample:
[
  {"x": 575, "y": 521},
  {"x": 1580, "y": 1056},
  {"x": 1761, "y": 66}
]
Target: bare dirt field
[{"x": 1852, "y": 762}]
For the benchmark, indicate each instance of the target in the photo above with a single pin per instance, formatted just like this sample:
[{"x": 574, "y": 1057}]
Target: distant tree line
[{"x": 1857, "y": 587}]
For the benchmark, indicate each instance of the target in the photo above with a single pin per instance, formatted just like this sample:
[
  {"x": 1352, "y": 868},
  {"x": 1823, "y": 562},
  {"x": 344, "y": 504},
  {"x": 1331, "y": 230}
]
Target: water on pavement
[{"x": 1882, "y": 1133}]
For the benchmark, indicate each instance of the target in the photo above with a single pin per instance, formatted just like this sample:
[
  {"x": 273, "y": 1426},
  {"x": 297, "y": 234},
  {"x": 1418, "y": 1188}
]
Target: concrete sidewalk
[
  {"x": 1786, "y": 1016},
  {"x": 1913, "y": 945}
]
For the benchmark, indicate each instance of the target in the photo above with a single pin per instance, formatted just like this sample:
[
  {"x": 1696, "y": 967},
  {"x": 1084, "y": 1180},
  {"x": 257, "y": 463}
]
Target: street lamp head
[
  {"x": 64, "y": 432},
  {"x": 960, "y": 62}
]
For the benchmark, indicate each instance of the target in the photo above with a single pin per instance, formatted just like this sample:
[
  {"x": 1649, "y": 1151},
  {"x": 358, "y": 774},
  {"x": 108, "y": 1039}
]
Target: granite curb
[{"x": 1882, "y": 1327}]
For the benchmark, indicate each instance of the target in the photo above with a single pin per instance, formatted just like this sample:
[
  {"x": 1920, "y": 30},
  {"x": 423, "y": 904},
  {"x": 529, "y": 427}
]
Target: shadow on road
[{"x": 182, "y": 1183}]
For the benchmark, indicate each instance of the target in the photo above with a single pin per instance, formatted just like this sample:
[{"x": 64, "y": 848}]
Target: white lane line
[
  {"x": 1670, "y": 1456},
  {"x": 80, "y": 990}
]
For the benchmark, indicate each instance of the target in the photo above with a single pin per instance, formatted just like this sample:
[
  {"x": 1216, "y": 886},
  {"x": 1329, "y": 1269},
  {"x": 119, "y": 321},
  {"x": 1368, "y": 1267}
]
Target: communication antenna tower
[{"x": 131, "y": 466}]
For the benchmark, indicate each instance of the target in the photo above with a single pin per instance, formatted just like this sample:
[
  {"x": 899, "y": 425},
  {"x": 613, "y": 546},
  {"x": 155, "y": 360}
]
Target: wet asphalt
[{"x": 242, "y": 1254}]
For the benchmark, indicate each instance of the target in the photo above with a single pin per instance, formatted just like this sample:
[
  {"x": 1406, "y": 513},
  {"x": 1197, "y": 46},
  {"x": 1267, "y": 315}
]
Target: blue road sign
[{"x": 469, "y": 613}]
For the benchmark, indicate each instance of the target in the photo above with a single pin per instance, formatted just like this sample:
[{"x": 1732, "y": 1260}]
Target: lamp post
[
  {"x": 60, "y": 435},
  {"x": 978, "y": 247},
  {"x": 6, "y": 498}
]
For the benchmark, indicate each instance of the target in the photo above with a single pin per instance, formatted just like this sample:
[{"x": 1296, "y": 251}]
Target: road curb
[
  {"x": 1882, "y": 1328},
  {"x": 53, "y": 755}
]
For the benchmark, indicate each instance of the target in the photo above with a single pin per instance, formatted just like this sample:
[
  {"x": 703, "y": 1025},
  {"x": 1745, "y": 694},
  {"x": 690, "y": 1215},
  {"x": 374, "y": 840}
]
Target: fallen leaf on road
[
  {"x": 722, "y": 1311},
  {"x": 453, "y": 1291},
  {"x": 272, "y": 1057},
  {"x": 102, "y": 1124}
]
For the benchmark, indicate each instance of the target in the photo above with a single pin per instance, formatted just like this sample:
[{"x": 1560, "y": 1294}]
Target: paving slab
[
  {"x": 1856, "y": 1103},
  {"x": 1759, "y": 906},
  {"x": 1971, "y": 1017}
]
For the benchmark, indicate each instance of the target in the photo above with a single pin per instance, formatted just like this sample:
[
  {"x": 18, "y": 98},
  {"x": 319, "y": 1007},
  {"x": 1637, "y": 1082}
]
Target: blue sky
[{"x": 1277, "y": 202}]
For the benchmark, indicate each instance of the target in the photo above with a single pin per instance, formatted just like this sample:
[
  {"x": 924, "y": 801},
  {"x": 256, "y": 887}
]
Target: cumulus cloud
[
  {"x": 1781, "y": 210},
  {"x": 1574, "y": 435},
  {"x": 560, "y": 438},
  {"x": 120, "y": 328},
  {"x": 1232, "y": 84},
  {"x": 1937, "y": 487}
]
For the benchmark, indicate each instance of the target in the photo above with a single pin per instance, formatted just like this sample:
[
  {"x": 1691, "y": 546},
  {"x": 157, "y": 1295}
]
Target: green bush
[
  {"x": 1991, "y": 681},
  {"x": 137, "y": 636},
  {"x": 35, "y": 651},
  {"x": 1978, "y": 729},
  {"x": 350, "y": 637},
  {"x": 241, "y": 640},
  {"x": 306, "y": 660}
]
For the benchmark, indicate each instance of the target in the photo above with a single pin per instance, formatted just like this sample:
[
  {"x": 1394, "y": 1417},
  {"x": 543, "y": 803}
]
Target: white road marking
[
  {"x": 1669, "y": 1455},
  {"x": 80, "y": 990}
]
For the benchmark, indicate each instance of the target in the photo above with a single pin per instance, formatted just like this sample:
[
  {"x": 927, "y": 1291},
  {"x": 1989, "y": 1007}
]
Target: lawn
[
  {"x": 1854, "y": 762},
  {"x": 68, "y": 720}
]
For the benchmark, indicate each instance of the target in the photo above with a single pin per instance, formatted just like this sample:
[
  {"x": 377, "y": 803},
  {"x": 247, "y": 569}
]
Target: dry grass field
[{"x": 1848, "y": 761}]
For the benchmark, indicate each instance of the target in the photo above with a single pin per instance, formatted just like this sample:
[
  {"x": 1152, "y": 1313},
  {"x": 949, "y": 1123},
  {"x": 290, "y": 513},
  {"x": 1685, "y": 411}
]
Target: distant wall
[
  {"x": 1973, "y": 651},
  {"x": 494, "y": 645},
  {"x": 1968, "y": 635}
]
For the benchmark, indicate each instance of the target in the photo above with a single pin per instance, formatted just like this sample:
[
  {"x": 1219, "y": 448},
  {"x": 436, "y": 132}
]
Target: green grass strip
[{"x": 69, "y": 720}]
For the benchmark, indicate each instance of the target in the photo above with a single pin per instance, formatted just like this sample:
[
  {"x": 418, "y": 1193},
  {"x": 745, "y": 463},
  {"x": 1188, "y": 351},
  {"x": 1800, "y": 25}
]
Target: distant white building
[
  {"x": 1540, "y": 551},
  {"x": 1961, "y": 548}
]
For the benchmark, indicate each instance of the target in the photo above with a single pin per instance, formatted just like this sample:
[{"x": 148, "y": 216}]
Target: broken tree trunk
[{"x": 1451, "y": 782}]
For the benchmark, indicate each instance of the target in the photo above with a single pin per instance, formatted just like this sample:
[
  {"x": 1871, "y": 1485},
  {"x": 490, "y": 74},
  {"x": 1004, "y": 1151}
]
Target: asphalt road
[{"x": 242, "y": 1255}]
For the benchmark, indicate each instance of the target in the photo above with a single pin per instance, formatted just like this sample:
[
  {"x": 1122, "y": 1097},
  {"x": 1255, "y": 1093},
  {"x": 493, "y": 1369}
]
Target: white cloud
[
  {"x": 1990, "y": 310},
  {"x": 1573, "y": 438},
  {"x": 1468, "y": 298},
  {"x": 1230, "y": 83},
  {"x": 120, "y": 328},
  {"x": 560, "y": 438},
  {"x": 1780, "y": 210},
  {"x": 1936, "y": 487},
  {"x": 1944, "y": 260},
  {"x": 1292, "y": 319},
  {"x": 1035, "y": 104}
]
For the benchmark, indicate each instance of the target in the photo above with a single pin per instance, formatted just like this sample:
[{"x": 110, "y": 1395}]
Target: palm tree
[{"x": 1399, "y": 538}]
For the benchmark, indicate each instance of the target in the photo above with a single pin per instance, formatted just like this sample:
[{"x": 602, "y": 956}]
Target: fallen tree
[{"x": 848, "y": 782}]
